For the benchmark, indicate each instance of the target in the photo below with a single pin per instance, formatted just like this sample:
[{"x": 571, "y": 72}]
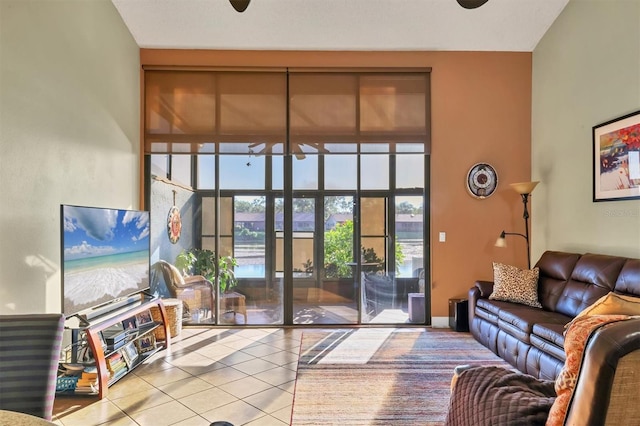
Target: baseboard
[{"x": 440, "y": 322}]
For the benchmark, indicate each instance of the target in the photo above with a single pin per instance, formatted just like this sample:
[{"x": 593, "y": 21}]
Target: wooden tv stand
[{"x": 96, "y": 342}]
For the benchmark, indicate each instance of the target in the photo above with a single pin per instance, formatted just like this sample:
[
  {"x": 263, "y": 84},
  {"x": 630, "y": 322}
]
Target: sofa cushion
[
  {"x": 551, "y": 332},
  {"x": 547, "y": 347},
  {"x": 521, "y": 317},
  {"x": 555, "y": 271},
  {"x": 487, "y": 316},
  {"x": 515, "y": 285},
  {"x": 493, "y": 306},
  {"x": 629, "y": 279},
  {"x": 594, "y": 276}
]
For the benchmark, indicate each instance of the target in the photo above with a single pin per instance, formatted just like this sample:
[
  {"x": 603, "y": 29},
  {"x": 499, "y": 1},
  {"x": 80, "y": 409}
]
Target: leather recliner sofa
[{"x": 532, "y": 339}]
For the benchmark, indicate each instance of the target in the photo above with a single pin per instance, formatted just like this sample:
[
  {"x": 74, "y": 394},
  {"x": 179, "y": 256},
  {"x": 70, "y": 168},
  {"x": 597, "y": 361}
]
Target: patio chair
[{"x": 196, "y": 292}]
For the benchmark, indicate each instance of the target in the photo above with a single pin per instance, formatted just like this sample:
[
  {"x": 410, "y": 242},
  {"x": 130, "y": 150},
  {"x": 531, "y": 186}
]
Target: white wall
[
  {"x": 586, "y": 71},
  {"x": 69, "y": 133}
]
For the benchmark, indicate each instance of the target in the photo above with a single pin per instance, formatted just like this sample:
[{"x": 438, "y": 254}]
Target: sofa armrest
[
  {"x": 605, "y": 391},
  {"x": 480, "y": 290},
  {"x": 485, "y": 287}
]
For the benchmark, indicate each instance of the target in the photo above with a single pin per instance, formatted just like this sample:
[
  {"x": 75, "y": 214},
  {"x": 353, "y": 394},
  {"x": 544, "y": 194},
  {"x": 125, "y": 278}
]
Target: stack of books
[
  {"x": 115, "y": 337},
  {"x": 88, "y": 381},
  {"x": 116, "y": 365}
]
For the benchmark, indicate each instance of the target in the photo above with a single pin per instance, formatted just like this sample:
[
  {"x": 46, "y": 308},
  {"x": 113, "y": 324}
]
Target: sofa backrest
[
  {"x": 555, "y": 272},
  {"x": 629, "y": 279},
  {"x": 594, "y": 276},
  {"x": 570, "y": 282}
]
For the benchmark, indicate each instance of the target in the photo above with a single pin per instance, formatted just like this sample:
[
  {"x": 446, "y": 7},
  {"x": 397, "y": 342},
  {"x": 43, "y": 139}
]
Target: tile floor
[{"x": 243, "y": 376}]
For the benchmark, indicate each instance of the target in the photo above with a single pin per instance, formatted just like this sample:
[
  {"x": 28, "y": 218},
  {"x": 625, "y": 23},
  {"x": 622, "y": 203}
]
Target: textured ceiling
[{"x": 498, "y": 25}]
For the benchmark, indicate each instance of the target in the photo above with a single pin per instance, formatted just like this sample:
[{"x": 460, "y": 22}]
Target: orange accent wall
[{"x": 480, "y": 112}]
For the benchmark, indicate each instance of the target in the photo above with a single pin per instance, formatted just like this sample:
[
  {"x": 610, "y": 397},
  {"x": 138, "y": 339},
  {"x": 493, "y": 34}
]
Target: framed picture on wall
[{"x": 616, "y": 159}]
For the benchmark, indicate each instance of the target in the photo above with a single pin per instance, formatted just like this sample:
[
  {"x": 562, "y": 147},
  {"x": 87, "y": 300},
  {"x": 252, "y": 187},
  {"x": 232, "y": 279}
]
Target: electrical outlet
[{"x": 443, "y": 237}]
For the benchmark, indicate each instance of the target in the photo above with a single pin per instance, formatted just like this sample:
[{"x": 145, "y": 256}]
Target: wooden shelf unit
[{"x": 97, "y": 325}]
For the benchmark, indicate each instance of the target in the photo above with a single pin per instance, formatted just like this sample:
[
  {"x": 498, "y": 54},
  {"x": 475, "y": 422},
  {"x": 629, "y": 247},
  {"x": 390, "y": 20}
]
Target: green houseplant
[{"x": 204, "y": 262}]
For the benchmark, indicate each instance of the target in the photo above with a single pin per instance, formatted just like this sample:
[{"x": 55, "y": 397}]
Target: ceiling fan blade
[
  {"x": 240, "y": 5},
  {"x": 471, "y": 4}
]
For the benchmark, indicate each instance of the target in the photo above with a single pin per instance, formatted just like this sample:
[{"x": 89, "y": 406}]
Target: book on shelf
[
  {"x": 89, "y": 375},
  {"x": 114, "y": 334},
  {"x": 119, "y": 374},
  {"x": 117, "y": 345},
  {"x": 117, "y": 366},
  {"x": 113, "y": 358}
]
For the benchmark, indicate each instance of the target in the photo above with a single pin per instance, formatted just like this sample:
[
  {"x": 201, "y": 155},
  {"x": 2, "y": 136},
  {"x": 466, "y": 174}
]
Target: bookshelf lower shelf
[{"x": 113, "y": 364}]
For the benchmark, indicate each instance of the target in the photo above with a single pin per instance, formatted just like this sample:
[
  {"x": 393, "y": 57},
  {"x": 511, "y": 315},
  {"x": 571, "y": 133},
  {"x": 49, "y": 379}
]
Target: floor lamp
[{"x": 524, "y": 189}]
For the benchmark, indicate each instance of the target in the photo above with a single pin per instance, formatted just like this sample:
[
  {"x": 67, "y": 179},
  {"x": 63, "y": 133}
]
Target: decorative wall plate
[
  {"x": 174, "y": 225},
  {"x": 482, "y": 180}
]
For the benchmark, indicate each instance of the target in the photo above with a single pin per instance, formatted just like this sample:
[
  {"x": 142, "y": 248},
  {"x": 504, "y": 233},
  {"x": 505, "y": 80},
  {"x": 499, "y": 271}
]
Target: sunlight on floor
[{"x": 358, "y": 348}]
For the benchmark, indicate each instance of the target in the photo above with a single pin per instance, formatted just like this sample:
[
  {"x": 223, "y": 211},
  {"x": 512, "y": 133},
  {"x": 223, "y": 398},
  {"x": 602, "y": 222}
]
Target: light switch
[{"x": 443, "y": 237}]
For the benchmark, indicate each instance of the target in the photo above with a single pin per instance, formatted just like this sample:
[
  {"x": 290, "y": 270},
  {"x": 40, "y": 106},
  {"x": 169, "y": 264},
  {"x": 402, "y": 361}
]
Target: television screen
[{"x": 105, "y": 255}]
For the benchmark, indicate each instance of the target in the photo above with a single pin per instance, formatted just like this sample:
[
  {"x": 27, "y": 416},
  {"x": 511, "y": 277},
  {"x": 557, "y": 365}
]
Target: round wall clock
[
  {"x": 482, "y": 180},
  {"x": 174, "y": 225}
]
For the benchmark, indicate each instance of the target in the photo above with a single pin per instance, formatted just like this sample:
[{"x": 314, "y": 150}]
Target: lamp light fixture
[
  {"x": 240, "y": 5},
  {"x": 524, "y": 189}
]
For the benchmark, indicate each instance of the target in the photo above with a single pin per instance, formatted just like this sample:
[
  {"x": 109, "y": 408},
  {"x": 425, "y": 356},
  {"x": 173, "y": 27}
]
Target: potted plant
[{"x": 204, "y": 262}]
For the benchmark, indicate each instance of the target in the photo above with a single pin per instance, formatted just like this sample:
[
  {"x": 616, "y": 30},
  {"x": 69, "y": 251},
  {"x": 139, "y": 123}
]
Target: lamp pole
[
  {"x": 524, "y": 189},
  {"x": 525, "y": 215}
]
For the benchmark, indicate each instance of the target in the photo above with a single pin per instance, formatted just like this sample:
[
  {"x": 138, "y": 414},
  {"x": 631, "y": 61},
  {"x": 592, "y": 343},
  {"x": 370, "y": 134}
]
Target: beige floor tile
[
  {"x": 187, "y": 357},
  {"x": 139, "y": 401},
  {"x": 267, "y": 421},
  {"x": 236, "y": 358},
  {"x": 97, "y": 413},
  {"x": 281, "y": 358},
  {"x": 163, "y": 415},
  {"x": 185, "y": 387},
  {"x": 254, "y": 366},
  {"x": 157, "y": 363},
  {"x": 193, "y": 421},
  {"x": 222, "y": 376},
  {"x": 216, "y": 352},
  {"x": 261, "y": 350},
  {"x": 237, "y": 413},
  {"x": 284, "y": 343},
  {"x": 284, "y": 414},
  {"x": 159, "y": 378},
  {"x": 198, "y": 370},
  {"x": 207, "y": 400},
  {"x": 276, "y": 376},
  {"x": 270, "y": 400},
  {"x": 289, "y": 386},
  {"x": 256, "y": 333},
  {"x": 128, "y": 385},
  {"x": 245, "y": 387},
  {"x": 292, "y": 366},
  {"x": 238, "y": 343}
]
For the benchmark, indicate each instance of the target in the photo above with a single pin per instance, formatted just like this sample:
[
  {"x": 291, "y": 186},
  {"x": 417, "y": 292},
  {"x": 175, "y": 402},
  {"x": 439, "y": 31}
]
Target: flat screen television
[{"x": 105, "y": 256}]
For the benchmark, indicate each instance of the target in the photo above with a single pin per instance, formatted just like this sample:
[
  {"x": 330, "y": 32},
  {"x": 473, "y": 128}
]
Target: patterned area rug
[{"x": 380, "y": 376}]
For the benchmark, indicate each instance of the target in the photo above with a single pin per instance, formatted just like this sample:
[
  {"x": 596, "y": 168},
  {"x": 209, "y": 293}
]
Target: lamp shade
[
  {"x": 501, "y": 241},
  {"x": 524, "y": 187}
]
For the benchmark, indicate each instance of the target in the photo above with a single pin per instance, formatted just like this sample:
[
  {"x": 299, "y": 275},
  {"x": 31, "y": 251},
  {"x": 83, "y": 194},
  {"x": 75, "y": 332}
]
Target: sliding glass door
[{"x": 309, "y": 186}]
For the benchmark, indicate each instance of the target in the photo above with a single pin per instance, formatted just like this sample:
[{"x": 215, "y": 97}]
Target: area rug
[{"x": 380, "y": 376}]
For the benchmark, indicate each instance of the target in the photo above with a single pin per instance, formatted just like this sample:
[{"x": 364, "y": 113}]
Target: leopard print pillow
[{"x": 515, "y": 285}]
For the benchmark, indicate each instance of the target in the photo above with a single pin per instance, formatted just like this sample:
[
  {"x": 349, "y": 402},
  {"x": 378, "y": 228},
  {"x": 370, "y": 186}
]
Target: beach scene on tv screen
[{"x": 105, "y": 255}]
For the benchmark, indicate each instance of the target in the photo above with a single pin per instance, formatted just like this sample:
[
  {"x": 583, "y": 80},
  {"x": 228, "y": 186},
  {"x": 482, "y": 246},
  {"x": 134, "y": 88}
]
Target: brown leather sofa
[
  {"x": 531, "y": 339},
  {"x": 605, "y": 392}
]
